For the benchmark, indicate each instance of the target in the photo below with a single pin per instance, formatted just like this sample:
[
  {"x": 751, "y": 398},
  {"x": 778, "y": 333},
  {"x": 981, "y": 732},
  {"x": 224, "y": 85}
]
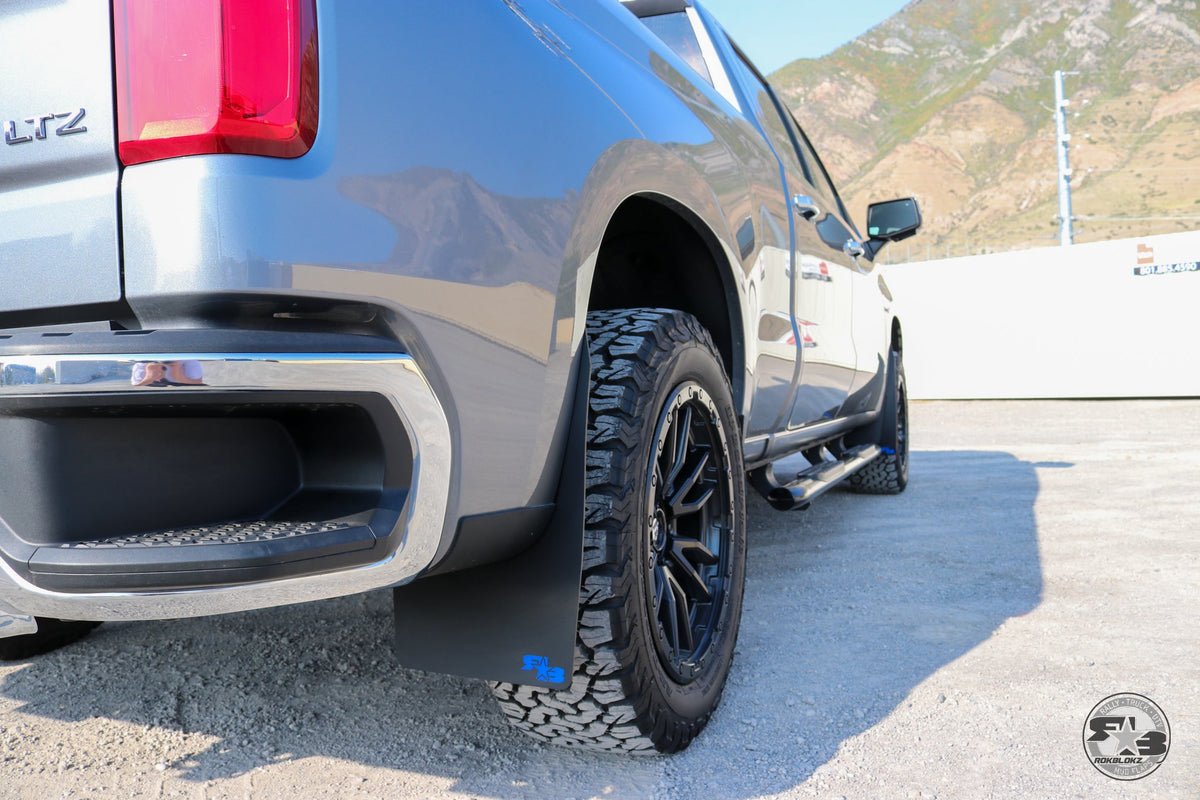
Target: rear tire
[
  {"x": 888, "y": 474},
  {"x": 664, "y": 544},
  {"x": 51, "y": 635}
]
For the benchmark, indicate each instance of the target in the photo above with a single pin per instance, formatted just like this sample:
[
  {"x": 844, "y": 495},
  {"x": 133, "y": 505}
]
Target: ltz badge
[{"x": 1126, "y": 736}]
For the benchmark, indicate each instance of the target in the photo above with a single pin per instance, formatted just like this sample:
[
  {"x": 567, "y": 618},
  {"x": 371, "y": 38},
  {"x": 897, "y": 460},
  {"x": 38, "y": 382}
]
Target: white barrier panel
[{"x": 1109, "y": 319}]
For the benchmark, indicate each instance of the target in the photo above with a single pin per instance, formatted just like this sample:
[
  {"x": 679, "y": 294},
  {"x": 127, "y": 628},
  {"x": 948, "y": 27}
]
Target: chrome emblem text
[{"x": 36, "y": 127}]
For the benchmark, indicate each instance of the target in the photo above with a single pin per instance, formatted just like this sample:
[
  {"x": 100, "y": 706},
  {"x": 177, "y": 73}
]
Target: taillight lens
[{"x": 215, "y": 76}]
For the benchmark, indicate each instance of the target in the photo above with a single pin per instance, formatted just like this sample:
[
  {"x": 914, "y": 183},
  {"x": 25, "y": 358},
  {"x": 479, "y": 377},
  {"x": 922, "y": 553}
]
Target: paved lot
[{"x": 946, "y": 643}]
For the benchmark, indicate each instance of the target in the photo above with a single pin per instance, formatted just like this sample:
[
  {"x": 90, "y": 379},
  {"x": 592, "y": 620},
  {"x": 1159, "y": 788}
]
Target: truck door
[
  {"x": 773, "y": 277},
  {"x": 864, "y": 331},
  {"x": 829, "y": 277},
  {"x": 819, "y": 291}
]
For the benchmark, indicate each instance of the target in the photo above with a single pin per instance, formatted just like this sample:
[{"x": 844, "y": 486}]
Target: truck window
[
  {"x": 821, "y": 177},
  {"x": 677, "y": 33},
  {"x": 763, "y": 106}
]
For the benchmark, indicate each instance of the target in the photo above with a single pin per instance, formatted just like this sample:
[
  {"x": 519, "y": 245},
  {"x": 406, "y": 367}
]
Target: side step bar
[{"x": 809, "y": 483}]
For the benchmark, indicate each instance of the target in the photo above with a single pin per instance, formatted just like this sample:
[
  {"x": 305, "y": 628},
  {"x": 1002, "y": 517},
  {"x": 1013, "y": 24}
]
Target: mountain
[{"x": 951, "y": 101}]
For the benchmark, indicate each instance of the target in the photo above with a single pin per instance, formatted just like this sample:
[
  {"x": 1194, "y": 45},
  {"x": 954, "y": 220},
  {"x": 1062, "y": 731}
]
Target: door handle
[
  {"x": 853, "y": 248},
  {"x": 805, "y": 206}
]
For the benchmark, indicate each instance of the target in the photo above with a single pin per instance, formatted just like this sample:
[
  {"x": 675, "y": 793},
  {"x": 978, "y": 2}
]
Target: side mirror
[{"x": 893, "y": 220}]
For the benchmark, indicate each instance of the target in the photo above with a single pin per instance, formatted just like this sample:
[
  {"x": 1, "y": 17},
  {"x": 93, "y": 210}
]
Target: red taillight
[{"x": 215, "y": 76}]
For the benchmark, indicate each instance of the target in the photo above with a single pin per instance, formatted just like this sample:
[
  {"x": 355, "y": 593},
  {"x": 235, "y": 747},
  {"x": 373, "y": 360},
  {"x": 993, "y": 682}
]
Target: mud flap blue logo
[{"x": 545, "y": 672}]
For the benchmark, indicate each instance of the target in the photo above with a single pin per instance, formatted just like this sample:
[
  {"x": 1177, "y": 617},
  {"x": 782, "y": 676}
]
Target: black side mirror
[{"x": 893, "y": 220}]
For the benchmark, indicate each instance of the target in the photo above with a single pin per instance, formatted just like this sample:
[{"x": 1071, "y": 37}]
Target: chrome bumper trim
[
  {"x": 11, "y": 625},
  {"x": 393, "y": 376}
]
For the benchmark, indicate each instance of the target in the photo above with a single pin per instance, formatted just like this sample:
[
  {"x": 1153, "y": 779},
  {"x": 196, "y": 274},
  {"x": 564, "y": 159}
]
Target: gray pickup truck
[{"x": 495, "y": 304}]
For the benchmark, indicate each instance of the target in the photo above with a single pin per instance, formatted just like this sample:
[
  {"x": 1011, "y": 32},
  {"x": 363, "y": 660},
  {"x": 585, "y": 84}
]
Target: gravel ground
[{"x": 945, "y": 643}]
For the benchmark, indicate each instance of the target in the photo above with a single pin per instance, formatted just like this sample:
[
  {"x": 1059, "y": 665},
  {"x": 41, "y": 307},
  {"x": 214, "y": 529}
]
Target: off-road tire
[
  {"x": 888, "y": 474},
  {"x": 631, "y": 690},
  {"x": 51, "y": 635}
]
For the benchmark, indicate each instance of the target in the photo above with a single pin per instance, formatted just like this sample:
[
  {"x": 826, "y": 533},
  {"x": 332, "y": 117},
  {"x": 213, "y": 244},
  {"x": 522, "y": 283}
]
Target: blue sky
[{"x": 774, "y": 32}]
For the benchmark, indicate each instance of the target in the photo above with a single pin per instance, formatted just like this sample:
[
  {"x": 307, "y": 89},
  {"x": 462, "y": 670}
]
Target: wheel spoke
[
  {"x": 682, "y": 433},
  {"x": 669, "y": 447},
  {"x": 679, "y": 626},
  {"x": 669, "y": 609},
  {"x": 660, "y": 588},
  {"x": 686, "y": 554},
  {"x": 683, "y": 509},
  {"x": 664, "y": 602},
  {"x": 680, "y": 508}
]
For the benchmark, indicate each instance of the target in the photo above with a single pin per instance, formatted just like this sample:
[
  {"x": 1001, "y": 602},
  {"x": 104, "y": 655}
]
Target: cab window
[
  {"x": 821, "y": 177},
  {"x": 763, "y": 107},
  {"x": 677, "y": 33}
]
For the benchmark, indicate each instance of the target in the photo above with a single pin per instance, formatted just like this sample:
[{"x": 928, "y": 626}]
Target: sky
[{"x": 775, "y": 32}]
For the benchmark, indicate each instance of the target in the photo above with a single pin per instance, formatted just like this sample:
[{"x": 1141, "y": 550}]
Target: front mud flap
[{"x": 514, "y": 621}]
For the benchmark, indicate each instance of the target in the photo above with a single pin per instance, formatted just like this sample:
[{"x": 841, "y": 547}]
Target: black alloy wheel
[{"x": 690, "y": 523}]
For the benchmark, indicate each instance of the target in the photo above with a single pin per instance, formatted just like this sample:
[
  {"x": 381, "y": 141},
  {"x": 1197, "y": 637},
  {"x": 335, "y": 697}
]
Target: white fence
[{"x": 1109, "y": 319}]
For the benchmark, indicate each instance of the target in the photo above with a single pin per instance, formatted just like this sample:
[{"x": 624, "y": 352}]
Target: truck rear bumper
[{"x": 163, "y": 474}]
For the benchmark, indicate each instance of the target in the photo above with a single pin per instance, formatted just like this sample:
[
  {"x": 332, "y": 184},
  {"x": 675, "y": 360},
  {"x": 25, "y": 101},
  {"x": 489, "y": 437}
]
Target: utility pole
[{"x": 1066, "y": 230}]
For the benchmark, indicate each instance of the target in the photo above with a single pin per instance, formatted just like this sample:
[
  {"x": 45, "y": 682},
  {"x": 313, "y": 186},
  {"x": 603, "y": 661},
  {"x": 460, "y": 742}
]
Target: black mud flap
[
  {"x": 883, "y": 430},
  {"x": 513, "y": 621},
  {"x": 889, "y": 433}
]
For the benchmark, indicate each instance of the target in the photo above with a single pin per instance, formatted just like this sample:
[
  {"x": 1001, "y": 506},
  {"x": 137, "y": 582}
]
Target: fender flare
[{"x": 639, "y": 168}]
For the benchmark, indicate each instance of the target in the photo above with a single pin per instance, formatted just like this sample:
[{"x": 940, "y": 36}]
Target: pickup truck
[{"x": 497, "y": 304}]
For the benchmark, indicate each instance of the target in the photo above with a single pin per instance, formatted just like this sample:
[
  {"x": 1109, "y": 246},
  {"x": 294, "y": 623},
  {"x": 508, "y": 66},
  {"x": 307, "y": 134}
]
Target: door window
[{"x": 763, "y": 106}]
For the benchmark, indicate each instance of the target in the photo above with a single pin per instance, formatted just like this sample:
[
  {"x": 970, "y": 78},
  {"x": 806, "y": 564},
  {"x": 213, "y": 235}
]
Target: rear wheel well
[{"x": 655, "y": 254}]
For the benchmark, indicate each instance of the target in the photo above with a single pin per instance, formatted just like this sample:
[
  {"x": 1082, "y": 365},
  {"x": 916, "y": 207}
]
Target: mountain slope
[{"x": 951, "y": 100}]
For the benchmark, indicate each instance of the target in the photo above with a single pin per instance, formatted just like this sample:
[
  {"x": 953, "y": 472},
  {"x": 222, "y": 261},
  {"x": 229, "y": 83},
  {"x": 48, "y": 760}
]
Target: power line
[
  {"x": 1109, "y": 170},
  {"x": 1137, "y": 219}
]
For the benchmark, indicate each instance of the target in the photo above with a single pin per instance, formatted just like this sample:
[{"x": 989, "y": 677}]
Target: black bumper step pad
[
  {"x": 229, "y": 533},
  {"x": 204, "y": 556}
]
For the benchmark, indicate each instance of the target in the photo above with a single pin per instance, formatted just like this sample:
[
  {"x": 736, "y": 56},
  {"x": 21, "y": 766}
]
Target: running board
[{"x": 810, "y": 483}]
